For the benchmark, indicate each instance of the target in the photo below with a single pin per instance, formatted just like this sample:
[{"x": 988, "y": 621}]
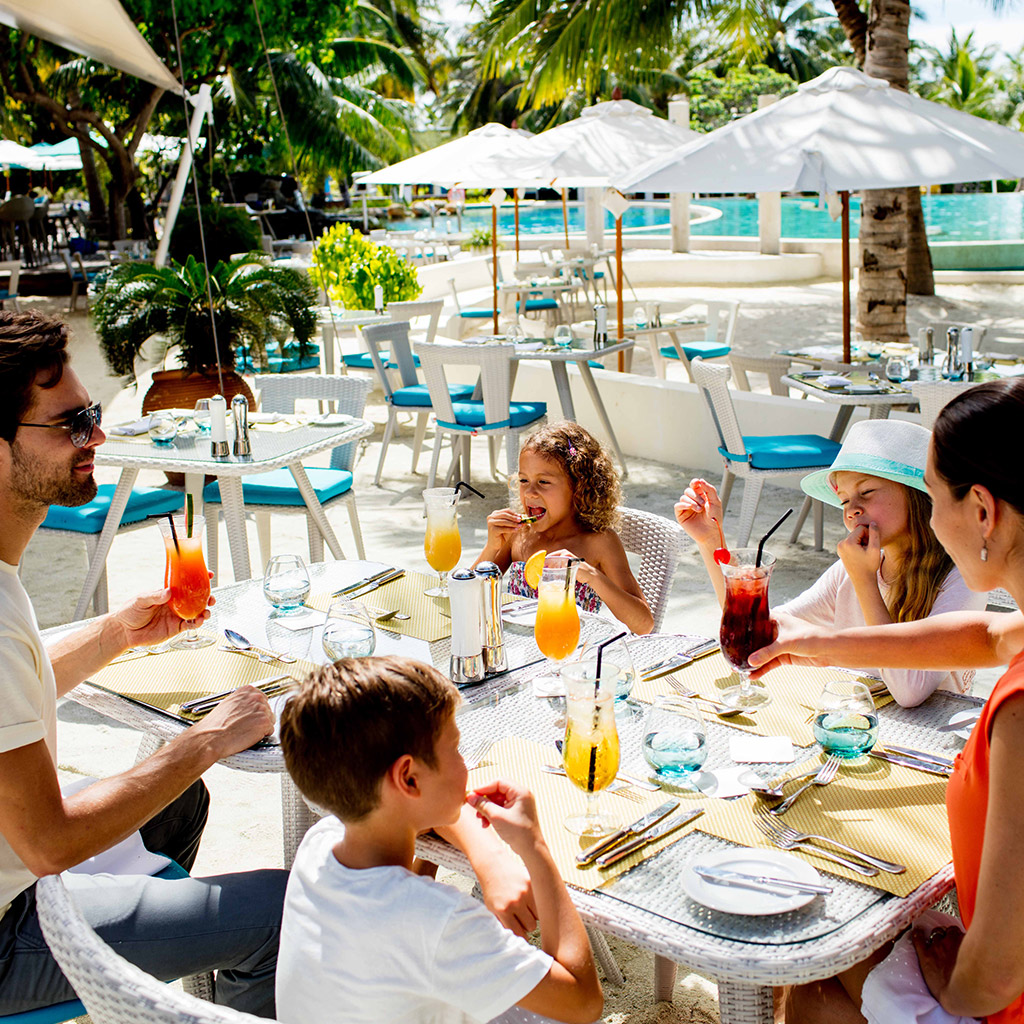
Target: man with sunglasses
[{"x": 49, "y": 431}]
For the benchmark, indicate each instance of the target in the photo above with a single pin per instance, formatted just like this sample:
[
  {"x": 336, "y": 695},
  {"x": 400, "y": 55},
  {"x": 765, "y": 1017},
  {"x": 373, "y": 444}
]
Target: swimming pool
[{"x": 966, "y": 217}]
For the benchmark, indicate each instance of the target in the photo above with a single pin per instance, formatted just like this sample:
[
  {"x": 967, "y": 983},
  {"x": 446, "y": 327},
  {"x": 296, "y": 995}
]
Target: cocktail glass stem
[{"x": 441, "y": 590}]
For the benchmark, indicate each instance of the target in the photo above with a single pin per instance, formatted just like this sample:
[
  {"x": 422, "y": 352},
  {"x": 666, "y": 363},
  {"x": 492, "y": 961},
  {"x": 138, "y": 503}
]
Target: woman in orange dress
[{"x": 940, "y": 972}]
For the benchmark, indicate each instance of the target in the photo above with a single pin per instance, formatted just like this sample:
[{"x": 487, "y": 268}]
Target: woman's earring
[{"x": 984, "y": 551}]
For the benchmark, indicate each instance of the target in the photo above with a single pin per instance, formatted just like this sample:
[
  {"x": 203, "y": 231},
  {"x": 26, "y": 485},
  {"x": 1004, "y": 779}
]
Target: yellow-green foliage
[{"x": 349, "y": 265}]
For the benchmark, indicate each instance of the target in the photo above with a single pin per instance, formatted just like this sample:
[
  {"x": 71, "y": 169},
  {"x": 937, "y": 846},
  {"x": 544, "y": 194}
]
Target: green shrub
[
  {"x": 480, "y": 238},
  {"x": 348, "y": 265},
  {"x": 226, "y": 230}
]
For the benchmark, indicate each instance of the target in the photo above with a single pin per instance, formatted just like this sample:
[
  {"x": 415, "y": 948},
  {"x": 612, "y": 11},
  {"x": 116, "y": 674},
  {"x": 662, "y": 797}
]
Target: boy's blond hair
[{"x": 350, "y": 721}]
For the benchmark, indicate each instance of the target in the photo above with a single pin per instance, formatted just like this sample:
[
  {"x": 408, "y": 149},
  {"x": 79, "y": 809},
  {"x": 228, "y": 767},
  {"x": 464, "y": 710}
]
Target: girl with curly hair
[{"x": 569, "y": 492}]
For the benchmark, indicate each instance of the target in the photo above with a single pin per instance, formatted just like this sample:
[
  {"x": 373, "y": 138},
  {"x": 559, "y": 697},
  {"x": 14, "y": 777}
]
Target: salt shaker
[
  {"x": 240, "y": 415},
  {"x": 492, "y": 591},
  {"x": 967, "y": 351},
  {"x": 467, "y": 664},
  {"x": 926, "y": 344},
  {"x": 600, "y": 325},
  {"x": 218, "y": 428}
]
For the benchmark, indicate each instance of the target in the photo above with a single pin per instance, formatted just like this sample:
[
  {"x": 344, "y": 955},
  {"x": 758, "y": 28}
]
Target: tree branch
[{"x": 855, "y": 25}]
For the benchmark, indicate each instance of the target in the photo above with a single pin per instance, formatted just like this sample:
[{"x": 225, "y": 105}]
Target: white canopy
[
  {"x": 842, "y": 132},
  {"x": 607, "y": 140},
  {"x": 12, "y": 154},
  {"x": 488, "y": 156},
  {"x": 100, "y": 29}
]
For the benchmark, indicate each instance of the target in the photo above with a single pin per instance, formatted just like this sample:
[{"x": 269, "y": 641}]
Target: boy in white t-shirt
[{"x": 364, "y": 938}]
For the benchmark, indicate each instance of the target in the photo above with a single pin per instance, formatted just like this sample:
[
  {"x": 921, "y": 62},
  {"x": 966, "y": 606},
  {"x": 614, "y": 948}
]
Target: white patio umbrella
[
  {"x": 606, "y": 141},
  {"x": 490, "y": 156},
  {"x": 842, "y": 132},
  {"x": 14, "y": 155}
]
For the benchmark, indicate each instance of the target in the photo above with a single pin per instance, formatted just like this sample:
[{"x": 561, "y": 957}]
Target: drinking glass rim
[{"x": 743, "y": 559}]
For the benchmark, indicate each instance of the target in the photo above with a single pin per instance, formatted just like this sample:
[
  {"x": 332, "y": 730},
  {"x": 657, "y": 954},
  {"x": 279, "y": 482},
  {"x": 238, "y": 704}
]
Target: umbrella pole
[
  {"x": 565, "y": 217},
  {"x": 845, "y": 197},
  {"x": 494, "y": 263},
  {"x": 515, "y": 197},
  {"x": 618, "y": 287}
]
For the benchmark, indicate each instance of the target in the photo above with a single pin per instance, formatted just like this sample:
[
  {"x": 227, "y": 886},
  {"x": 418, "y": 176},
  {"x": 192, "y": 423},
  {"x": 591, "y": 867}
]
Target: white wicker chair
[
  {"x": 12, "y": 268},
  {"x": 773, "y": 367},
  {"x": 430, "y": 308},
  {"x": 811, "y": 450},
  {"x": 278, "y": 393},
  {"x": 722, "y": 315},
  {"x": 659, "y": 542},
  {"x": 496, "y": 415},
  {"x": 934, "y": 394},
  {"x": 113, "y": 990}
]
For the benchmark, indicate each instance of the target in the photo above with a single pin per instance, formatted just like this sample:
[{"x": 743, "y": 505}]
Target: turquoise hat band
[{"x": 819, "y": 486}]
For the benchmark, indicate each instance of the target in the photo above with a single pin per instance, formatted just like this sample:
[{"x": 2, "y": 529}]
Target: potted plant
[
  {"x": 348, "y": 266},
  {"x": 253, "y": 303}
]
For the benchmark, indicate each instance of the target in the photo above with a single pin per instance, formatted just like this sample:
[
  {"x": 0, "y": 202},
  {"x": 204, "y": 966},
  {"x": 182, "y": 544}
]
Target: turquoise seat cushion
[
  {"x": 476, "y": 314},
  {"x": 533, "y": 305},
  {"x": 362, "y": 361},
  {"x": 787, "y": 451},
  {"x": 278, "y": 487},
  {"x": 7, "y": 295},
  {"x": 693, "y": 349},
  {"x": 471, "y": 414},
  {"x": 416, "y": 396},
  {"x": 89, "y": 518}
]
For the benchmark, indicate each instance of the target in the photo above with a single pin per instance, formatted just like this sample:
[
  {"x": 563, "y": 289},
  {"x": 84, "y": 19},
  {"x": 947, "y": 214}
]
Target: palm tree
[{"x": 962, "y": 77}]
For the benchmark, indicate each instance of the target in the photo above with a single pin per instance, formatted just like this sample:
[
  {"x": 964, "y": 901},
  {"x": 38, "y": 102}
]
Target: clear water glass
[
  {"x": 201, "y": 415},
  {"x": 515, "y": 334},
  {"x": 348, "y": 632},
  {"x": 897, "y": 369},
  {"x": 845, "y": 719},
  {"x": 639, "y": 317},
  {"x": 675, "y": 739},
  {"x": 163, "y": 429},
  {"x": 286, "y": 583},
  {"x": 563, "y": 336}
]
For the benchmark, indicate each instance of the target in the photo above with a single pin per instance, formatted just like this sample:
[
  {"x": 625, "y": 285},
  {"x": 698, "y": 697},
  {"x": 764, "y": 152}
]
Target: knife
[
  {"x": 390, "y": 577},
  {"x": 677, "y": 661},
  {"x": 359, "y": 584},
  {"x": 919, "y": 755},
  {"x": 660, "y": 832},
  {"x": 638, "y": 826},
  {"x": 762, "y": 883},
  {"x": 909, "y": 762}
]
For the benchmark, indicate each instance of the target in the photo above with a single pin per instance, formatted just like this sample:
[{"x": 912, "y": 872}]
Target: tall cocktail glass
[
  {"x": 590, "y": 751},
  {"x": 186, "y": 574},
  {"x": 442, "y": 544},
  {"x": 557, "y": 626},
  {"x": 746, "y": 622}
]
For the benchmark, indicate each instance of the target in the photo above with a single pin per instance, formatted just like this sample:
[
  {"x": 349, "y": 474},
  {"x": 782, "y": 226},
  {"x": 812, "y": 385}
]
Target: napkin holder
[
  {"x": 466, "y": 666},
  {"x": 491, "y": 593}
]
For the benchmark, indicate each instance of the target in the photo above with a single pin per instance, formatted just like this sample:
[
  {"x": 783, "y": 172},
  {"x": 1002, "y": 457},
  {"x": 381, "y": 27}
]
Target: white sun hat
[{"x": 891, "y": 449}]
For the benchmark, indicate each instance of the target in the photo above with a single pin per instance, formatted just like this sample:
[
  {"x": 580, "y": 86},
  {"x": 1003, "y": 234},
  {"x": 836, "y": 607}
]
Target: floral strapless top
[{"x": 515, "y": 583}]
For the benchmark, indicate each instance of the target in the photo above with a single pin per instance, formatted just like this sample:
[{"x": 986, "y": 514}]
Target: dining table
[
  {"x": 895, "y": 811},
  {"x": 674, "y": 327},
  {"x": 283, "y": 441},
  {"x": 336, "y": 322}
]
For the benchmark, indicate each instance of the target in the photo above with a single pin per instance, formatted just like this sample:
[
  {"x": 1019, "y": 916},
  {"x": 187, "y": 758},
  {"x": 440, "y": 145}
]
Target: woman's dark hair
[
  {"x": 33, "y": 350},
  {"x": 973, "y": 436}
]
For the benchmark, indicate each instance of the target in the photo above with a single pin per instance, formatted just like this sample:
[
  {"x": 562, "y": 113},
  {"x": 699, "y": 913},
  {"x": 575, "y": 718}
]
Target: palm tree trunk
[{"x": 920, "y": 275}]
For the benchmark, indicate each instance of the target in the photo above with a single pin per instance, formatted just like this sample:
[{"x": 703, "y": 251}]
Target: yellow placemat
[
  {"x": 557, "y": 799},
  {"x": 165, "y": 680},
  {"x": 794, "y": 690},
  {"x": 281, "y": 427},
  {"x": 884, "y": 809},
  {"x": 429, "y": 617}
]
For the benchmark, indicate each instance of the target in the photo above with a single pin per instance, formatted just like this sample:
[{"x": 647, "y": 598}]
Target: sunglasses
[{"x": 79, "y": 425}]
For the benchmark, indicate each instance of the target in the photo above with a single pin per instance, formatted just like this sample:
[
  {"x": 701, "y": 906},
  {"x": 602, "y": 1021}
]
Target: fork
[
  {"x": 720, "y": 709},
  {"x": 474, "y": 754},
  {"x": 825, "y": 775},
  {"x": 790, "y": 834},
  {"x": 777, "y": 836}
]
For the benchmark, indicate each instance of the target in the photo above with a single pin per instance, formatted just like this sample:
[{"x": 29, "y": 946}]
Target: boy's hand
[
  {"x": 696, "y": 510},
  {"x": 508, "y": 893},
  {"x": 511, "y": 810}
]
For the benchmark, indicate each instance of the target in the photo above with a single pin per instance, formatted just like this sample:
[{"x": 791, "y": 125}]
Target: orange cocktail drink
[
  {"x": 441, "y": 543},
  {"x": 186, "y": 575},
  {"x": 557, "y": 630}
]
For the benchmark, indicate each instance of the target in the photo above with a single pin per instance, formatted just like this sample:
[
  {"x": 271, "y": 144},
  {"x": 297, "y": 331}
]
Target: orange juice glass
[
  {"x": 557, "y": 627},
  {"x": 186, "y": 574},
  {"x": 442, "y": 544}
]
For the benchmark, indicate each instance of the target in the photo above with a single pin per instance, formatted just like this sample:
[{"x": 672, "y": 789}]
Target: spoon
[
  {"x": 394, "y": 614},
  {"x": 242, "y": 644}
]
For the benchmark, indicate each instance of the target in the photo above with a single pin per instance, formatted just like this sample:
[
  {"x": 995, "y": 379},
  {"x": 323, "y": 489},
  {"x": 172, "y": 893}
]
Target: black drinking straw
[
  {"x": 592, "y": 770},
  {"x": 469, "y": 487},
  {"x": 760, "y": 547},
  {"x": 174, "y": 532}
]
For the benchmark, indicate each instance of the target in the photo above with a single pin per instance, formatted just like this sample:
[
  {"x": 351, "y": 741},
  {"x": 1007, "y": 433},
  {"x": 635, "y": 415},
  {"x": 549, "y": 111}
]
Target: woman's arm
[
  {"x": 607, "y": 571},
  {"x": 986, "y": 974}
]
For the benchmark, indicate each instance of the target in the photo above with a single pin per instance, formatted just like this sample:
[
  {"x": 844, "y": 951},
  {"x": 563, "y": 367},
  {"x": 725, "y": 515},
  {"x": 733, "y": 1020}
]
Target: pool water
[{"x": 966, "y": 217}]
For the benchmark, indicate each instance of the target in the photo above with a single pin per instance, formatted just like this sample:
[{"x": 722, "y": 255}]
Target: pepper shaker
[
  {"x": 492, "y": 591},
  {"x": 240, "y": 415}
]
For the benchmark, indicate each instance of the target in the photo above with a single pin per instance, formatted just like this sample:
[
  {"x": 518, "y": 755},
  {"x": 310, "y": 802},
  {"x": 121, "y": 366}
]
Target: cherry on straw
[{"x": 722, "y": 555}]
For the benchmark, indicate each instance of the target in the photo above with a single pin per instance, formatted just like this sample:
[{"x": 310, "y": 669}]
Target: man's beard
[{"x": 65, "y": 487}]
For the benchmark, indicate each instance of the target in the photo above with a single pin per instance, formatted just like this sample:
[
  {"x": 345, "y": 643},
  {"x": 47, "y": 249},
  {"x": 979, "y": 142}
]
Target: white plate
[
  {"x": 865, "y": 389},
  {"x": 522, "y": 613},
  {"x": 330, "y": 419},
  {"x": 965, "y": 720},
  {"x": 732, "y": 899},
  {"x": 529, "y": 346}
]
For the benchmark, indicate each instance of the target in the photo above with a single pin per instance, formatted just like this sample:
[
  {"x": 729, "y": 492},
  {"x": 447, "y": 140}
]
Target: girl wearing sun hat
[{"x": 890, "y": 569}]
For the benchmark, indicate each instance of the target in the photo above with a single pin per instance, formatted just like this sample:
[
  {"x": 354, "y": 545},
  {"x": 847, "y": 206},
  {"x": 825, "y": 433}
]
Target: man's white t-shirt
[
  {"x": 384, "y": 945},
  {"x": 28, "y": 703}
]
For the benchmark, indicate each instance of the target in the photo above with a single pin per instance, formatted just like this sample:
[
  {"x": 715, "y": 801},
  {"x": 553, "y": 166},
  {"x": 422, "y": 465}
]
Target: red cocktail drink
[
  {"x": 186, "y": 575},
  {"x": 746, "y": 622}
]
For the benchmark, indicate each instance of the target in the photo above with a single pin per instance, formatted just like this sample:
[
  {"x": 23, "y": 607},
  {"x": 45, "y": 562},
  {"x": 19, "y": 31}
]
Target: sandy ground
[{"x": 244, "y": 830}]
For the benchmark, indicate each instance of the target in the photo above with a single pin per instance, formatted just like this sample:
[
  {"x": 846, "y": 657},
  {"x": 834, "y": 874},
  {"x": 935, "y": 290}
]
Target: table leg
[
  {"x": 99, "y": 559},
  {"x": 327, "y": 340},
  {"x": 602, "y": 414},
  {"x": 316, "y": 510},
  {"x": 561, "y": 375},
  {"x": 233, "y": 509},
  {"x": 664, "y": 979},
  {"x": 744, "y": 1004},
  {"x": 879, "y": 412}
]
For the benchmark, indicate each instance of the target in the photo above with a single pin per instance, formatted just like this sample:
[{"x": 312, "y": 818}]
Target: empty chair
[
  {"x": 659, "y": 542},
  {"x": 411, "y": 396},
  {"x": 934, "y": 394},
  {"x": 16, "y": 228},
  {"x": 79, "y": 277},
  {"x": 469, "y": 318},
  {"x": 494, "y": 415},
  {"x": 757, "y": 458},
  {"x": 428, "y": 309},
  {"x": 113, "y": 990},
  {"x": 721, "y": 316},
  {"x": 12, "y": 268},
  {"x": 275, "y": 492},
  {"x": 773, "y": 367}
]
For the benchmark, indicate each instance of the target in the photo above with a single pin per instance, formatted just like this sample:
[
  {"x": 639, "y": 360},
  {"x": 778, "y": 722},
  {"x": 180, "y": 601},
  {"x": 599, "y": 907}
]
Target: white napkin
[
  {"x": 267, "y": 417},
  {"x": 301, "y": 620},
  {"x": 723, "y": 783},
  {"x": 747, "y": 749},
  {"x": 140, "y": 426},
  {"x": 831, "y": 380}
]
